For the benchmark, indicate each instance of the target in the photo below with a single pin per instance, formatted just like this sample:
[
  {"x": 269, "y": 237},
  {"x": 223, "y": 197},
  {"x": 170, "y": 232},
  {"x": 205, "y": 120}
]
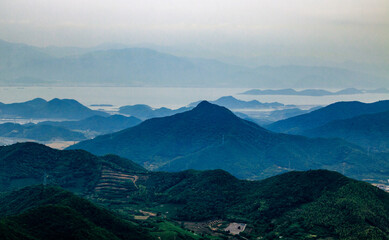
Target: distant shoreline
[{"x": 313, "y": 92}]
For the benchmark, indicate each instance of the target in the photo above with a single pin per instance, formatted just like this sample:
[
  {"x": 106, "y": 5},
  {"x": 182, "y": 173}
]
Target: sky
[{"x": 334, "y": 30}]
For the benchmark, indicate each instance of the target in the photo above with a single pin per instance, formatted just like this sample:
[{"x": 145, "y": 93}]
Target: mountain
[
  {"x": 24, "y": 164},
  {"x": 39, "y": 132},
  {"x": 39, "y": 108},
  {"x": 98, "y": 124},
  {"x": 144, "y": 112},
  {"x": 335, "y": 111},
  {"x": 233, "y": 103},
  {"x": 212, "y": 137},
  {"x": 308, "y": 92},
  {"x": 46, "y": 212},
  {"x": 28, "y": 65},
  {"x": 370, "y": 131}
]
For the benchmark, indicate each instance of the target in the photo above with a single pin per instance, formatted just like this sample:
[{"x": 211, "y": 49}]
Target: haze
[{"x": 330, "y": 30}]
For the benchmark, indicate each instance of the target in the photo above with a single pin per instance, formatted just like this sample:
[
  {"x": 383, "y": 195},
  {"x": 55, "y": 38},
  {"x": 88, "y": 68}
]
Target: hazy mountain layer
[
  {"x": 233, "y": 103},
  {"x": 39, "y": 132},
  {"x": 27, "y": 65}
]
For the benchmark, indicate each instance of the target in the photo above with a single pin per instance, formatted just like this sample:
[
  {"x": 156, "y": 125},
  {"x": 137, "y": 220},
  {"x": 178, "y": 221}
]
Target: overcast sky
[{"x": 329, "y": 29}]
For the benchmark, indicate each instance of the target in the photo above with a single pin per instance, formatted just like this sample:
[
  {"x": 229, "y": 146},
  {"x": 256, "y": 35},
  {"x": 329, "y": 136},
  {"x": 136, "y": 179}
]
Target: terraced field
[{"x": 115, "y": 185}]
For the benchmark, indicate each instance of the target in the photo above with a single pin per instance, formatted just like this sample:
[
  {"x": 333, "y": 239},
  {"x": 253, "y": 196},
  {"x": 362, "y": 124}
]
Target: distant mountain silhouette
[
  {"x": 23, "y": 64},
  {"x": 335, "y": 111},
  {"x": 212, "y": 137},
  {"x": 233, "y": 103},
  {"x": 39, "y": 108}
]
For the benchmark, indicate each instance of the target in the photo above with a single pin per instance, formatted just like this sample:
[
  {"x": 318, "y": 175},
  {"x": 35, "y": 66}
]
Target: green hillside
[{"x": 24, "y": 164}]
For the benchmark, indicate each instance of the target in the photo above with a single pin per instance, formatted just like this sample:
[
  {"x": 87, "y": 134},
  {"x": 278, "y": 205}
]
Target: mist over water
[{"x": 164, "y": 97}]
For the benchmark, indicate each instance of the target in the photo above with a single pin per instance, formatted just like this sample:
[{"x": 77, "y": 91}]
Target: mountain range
[
  {"x": 26, "y": 65},
  {"x": 212, "y": 137},
  {"x": 144, "y": 112},
  {"x": 39, "y": 108},
  {"x": 232, "y": 103}
]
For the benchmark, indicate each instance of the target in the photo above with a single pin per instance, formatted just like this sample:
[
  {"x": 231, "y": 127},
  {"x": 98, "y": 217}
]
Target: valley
[{"x": 194, "y": 120}]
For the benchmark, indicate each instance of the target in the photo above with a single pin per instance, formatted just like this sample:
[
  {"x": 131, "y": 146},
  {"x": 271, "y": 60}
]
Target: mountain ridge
[
  {"x": 210, "y": 136},
  {"x": 39, "y": 108}
]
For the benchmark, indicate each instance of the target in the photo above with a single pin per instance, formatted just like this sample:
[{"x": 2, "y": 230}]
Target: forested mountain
[
  {"x": 335, "y": 111},
  {"x": 212, "y": 137},
  {"x": 24, "y": 164},
  {"x": 40, "y": 109}
]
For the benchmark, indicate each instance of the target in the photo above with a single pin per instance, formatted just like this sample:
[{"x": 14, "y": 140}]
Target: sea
[{"x": 171, "y": 97}]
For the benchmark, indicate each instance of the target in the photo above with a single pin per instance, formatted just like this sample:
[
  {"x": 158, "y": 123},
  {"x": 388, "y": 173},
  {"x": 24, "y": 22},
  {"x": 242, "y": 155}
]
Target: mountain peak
[
  {"x": 227, "y": 98},
  {"x": 204, "y": 104},
  {"x": 211, "y": 109}
]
